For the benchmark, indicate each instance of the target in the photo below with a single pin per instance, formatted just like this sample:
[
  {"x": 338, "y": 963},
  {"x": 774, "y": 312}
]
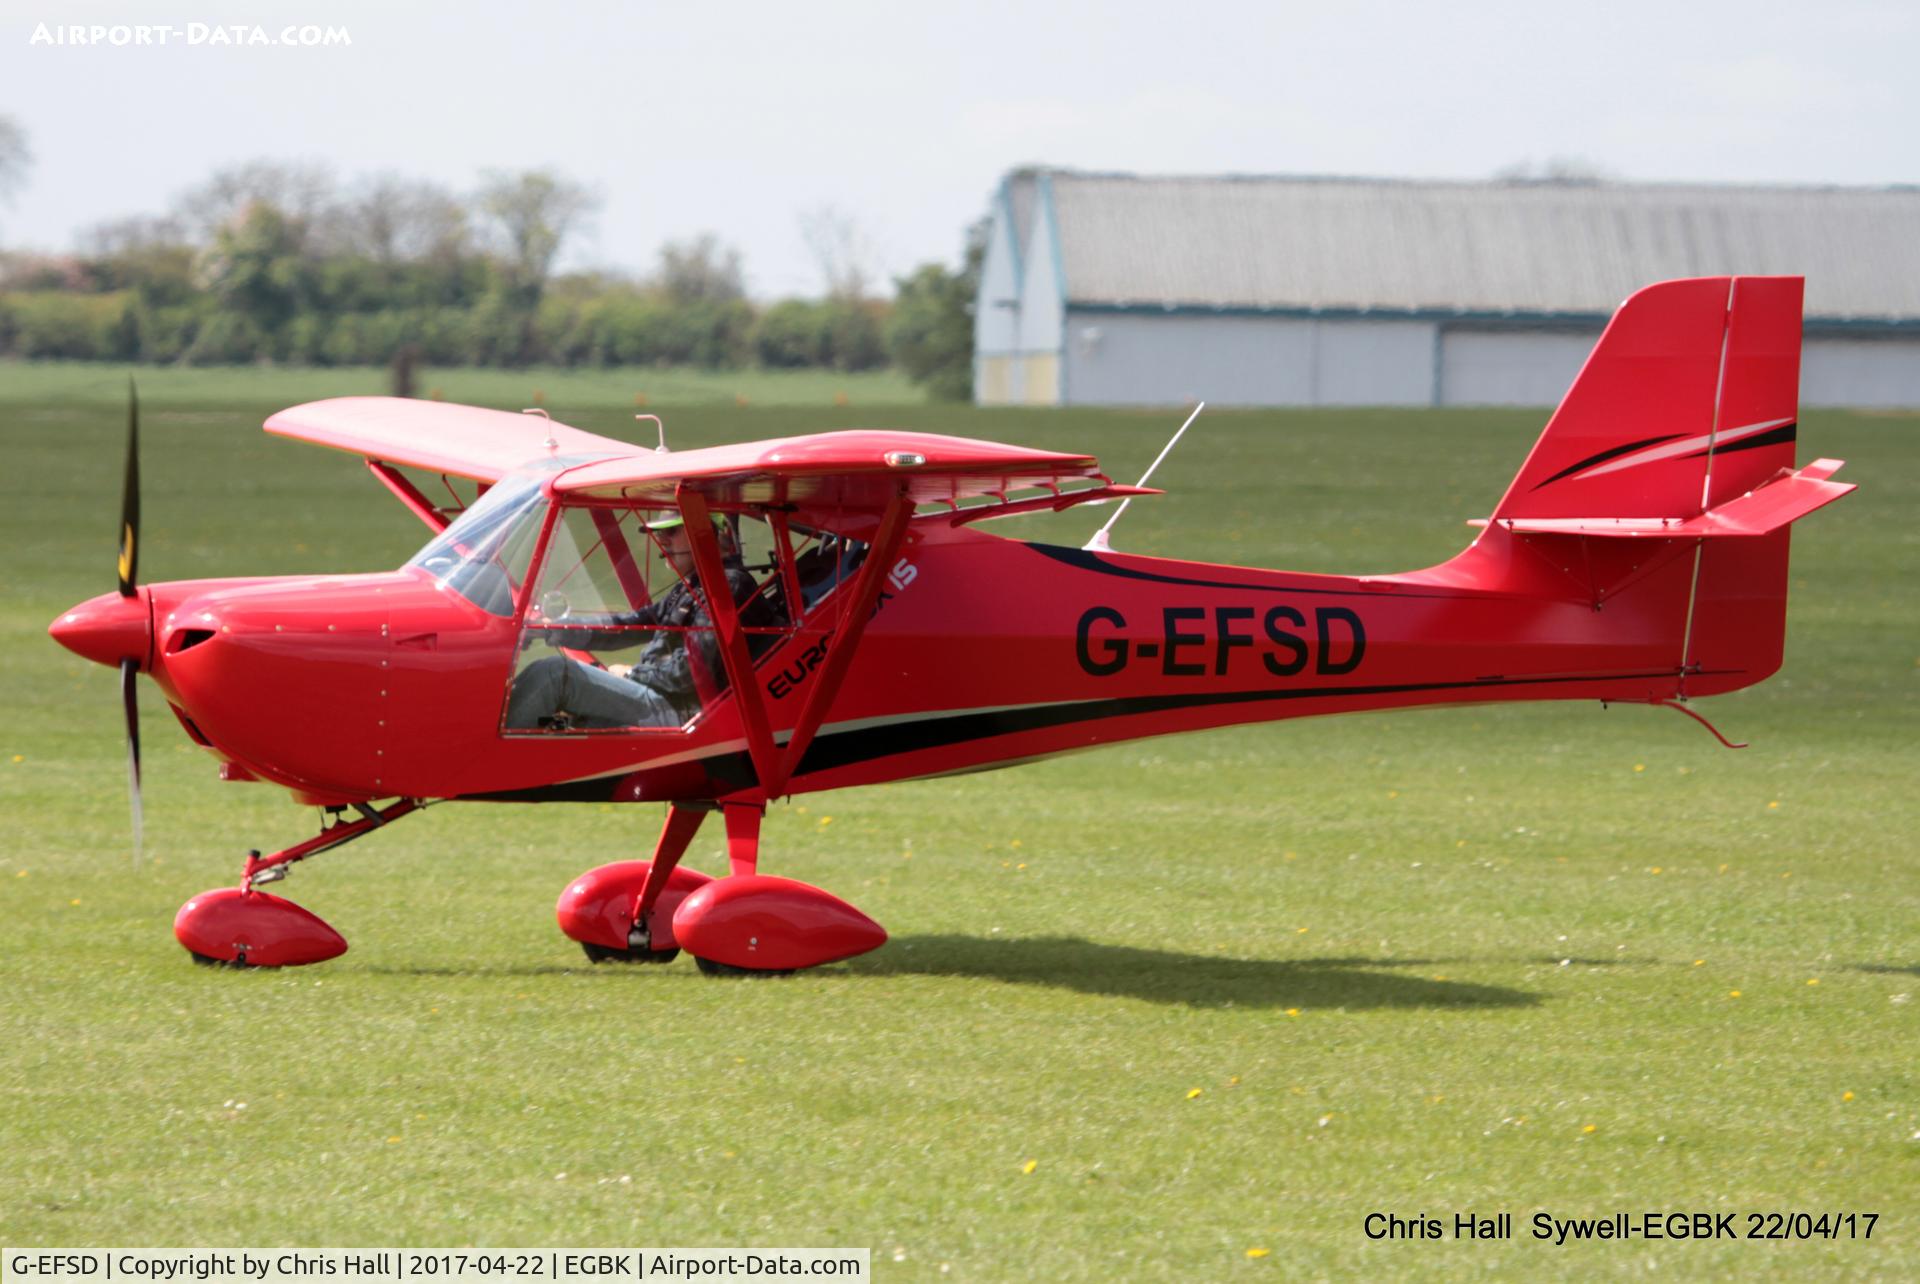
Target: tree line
[{"x": 269, "y": 262}]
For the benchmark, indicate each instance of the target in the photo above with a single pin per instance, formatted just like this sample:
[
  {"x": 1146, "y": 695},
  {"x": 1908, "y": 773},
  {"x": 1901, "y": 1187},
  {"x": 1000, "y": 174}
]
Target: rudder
[{"x": 1687, "y": 405}]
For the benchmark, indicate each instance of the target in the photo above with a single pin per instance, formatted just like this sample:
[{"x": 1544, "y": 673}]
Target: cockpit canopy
[{"x": 616, "y": 630}]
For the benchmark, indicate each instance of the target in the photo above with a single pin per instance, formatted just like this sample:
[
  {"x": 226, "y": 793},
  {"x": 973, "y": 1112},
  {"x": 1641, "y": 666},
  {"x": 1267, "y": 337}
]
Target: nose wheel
[{"x": 245, "y": 927}]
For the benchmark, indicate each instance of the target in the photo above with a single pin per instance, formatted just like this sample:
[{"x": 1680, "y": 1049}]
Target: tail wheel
[{"x": 608, "y": 954}]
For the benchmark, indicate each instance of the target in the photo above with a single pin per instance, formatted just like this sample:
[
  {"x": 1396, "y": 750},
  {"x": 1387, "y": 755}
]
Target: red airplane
[{"x": 557, "y": 639}]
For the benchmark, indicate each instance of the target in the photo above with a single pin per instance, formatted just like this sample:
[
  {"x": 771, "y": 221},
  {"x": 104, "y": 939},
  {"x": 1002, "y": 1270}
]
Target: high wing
[
  {"x": 452, "y": 440},
  {"x": 862, "y": 469},
  {"x": 459, "y": 441}
]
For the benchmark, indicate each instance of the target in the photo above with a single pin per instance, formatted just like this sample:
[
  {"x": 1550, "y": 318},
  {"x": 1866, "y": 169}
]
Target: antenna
[
  {"x": 550, "y": 443},
  {"x": 1099, "y": 544},
  {"x": 661, "y": 449}
]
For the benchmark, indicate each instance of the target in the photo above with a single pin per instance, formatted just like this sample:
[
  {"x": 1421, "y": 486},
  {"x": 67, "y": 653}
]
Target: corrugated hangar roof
[{"x": 1288, "y": 243}]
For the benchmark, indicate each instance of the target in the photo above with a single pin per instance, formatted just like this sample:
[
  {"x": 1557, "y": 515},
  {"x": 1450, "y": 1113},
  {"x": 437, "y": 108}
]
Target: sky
[{"x": 741, "y": 119}]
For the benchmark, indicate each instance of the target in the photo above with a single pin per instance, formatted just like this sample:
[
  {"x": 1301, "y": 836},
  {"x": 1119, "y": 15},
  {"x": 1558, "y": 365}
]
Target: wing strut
[
  {"x": 407, "y": 493},
  {"x": 853, "y": 623},
  {"x": 773, "y": 766},
  {"x": 733, "y": 642}
]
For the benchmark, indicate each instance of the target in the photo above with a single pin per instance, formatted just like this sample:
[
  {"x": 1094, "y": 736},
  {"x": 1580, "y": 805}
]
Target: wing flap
[
  {"x": 860, "y": 469},
  {"x": 459, "y": 441}
]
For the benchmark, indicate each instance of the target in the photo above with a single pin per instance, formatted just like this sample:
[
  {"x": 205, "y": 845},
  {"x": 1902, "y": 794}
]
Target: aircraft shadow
[{"x": 1193, "y": 980}]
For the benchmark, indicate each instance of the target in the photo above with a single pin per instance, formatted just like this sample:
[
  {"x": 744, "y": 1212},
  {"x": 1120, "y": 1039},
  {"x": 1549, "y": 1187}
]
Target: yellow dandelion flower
[
  {"x": 1699, "y": 962},
  {"x": 1258, "y": 1252},
  {"x": 1773, "y": 805},
  {"x": 1293, "y": 1011},
  {"x": 19, "y": 757},
  {"x": 1302, "y": 932},
  {"x": 1029, "y": 1166},
  {"x": 1733, "y": 994},
  {"x": 393, "y": 1141},
  {"x": 74, "y": 901},
  {"x": 1194, "y": 1092},
  {"x": 1846, "y": 1096},
  {"x": 1591, "y": 1128},
  {"x": 1654, "y": 870},
  {"x": 825, "y": 821},
  {"x": 1232, "y": 1079},
  {"x": 1639, "y": 766},
  {"x": 1813, "y": 980}
]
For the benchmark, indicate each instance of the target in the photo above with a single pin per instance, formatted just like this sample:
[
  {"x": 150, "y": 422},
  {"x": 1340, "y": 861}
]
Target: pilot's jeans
[{"x": 593, "y": 697}]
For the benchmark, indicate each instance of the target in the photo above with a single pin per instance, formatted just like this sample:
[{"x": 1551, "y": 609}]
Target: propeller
[{"x": 129, "y": 566}]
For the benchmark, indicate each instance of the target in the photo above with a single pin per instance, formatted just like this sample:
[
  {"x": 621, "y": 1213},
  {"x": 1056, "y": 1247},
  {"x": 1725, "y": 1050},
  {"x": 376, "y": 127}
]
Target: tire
[
  {"x": 607, "y": 954},
  {"x": 713, "y": 968}
]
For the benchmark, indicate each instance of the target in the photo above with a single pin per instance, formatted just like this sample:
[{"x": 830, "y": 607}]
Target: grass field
[
  {"x": 1187, "y": 1008},
  {"x": 561, "y": 391}
]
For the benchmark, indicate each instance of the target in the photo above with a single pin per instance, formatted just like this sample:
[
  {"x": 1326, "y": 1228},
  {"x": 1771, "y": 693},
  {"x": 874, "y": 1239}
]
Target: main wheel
[
  {"x": 608, "y": 954},
  {"x": 713, "y": 968},
  {"x": 207, "y": 960}
]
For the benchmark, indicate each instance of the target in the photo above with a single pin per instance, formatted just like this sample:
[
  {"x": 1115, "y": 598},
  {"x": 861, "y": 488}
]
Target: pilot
[{"x": 658, "y": 689}]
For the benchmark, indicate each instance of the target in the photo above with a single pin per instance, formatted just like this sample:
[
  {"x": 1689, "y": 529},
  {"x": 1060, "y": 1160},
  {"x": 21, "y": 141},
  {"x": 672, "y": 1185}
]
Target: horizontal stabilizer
[{"x": 1761, "y": 511}]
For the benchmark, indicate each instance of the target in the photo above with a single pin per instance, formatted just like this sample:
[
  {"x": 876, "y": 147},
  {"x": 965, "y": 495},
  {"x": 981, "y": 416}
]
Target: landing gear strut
[
  {"x": 245, "y": 927},
  {"x": 745, "y": 924}
]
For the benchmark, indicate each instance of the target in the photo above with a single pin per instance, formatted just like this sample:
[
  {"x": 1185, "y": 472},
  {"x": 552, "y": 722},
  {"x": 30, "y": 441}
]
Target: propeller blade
[
  {"x": 129, "y": 670},
  {"x": 130, "y": 499}
]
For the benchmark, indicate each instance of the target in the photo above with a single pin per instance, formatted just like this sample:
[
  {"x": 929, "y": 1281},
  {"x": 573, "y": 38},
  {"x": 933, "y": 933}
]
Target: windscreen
[{"x": 483, "y": 555}]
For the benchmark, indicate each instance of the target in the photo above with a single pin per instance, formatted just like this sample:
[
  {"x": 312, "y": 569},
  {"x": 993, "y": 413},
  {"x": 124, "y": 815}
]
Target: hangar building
[{"x": 1120, "y": 289}]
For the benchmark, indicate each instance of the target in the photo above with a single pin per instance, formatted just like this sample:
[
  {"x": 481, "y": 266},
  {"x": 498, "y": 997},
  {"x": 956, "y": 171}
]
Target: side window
[
  {"x": 619, "y": 634},
  {"x": 823, "y": 562}
]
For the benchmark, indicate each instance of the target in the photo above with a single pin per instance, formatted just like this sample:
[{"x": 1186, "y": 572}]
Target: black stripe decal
[
  {"x": 1612, "y": 453},
  {"x": 849, "y": 748},
  {"x": 1081, "y": 559},
  {"x": 1783, "y": 434}
]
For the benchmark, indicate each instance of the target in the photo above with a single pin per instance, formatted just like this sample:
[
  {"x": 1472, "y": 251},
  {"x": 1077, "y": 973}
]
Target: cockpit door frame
[{"x": 774, "y": 767}]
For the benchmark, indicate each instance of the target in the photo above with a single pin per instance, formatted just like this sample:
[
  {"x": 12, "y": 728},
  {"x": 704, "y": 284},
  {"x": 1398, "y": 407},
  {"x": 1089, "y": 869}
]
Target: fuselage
[{"x": 981, "y": 651}]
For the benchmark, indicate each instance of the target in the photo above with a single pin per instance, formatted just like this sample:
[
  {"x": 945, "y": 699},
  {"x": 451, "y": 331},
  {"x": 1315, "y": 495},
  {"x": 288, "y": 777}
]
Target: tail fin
[
  {"x": 1690, "y": 398},
  {"x": 1666, "y": 472}
]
